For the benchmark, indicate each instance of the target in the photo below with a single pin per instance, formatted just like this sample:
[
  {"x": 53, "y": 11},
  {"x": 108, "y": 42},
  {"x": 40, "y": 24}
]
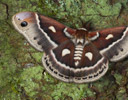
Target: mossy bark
[{"x": 22, "y": 76}]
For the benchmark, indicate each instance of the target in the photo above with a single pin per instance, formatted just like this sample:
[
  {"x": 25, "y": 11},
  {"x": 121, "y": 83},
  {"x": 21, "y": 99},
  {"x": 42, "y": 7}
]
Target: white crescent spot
[
  {"x": 109, "y": 36},
  {"x": 52, "y": 28},
  {"x": 89, "y": 55},
  {"x": 65, "y": 52}
]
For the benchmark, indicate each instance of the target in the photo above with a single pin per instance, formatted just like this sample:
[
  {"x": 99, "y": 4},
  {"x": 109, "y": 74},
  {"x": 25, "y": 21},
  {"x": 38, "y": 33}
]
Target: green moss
[
  {"x": 30, "y": 78},
  {"x": 121, "y": 94},
  {"x": 74, "y": 91},
  {"x": 38, "y": 56},
  {"x": 118, "y": 78}
]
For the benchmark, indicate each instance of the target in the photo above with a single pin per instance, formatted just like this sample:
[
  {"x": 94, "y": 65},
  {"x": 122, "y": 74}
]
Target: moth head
[
  {"x": 81, "y": 33},
  {"x": 23, "y": 21}
]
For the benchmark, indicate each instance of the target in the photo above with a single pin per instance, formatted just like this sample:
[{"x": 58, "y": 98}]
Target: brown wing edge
[
  {"x": 53, "y": 69},
  {"x": 118, "y": 50}
]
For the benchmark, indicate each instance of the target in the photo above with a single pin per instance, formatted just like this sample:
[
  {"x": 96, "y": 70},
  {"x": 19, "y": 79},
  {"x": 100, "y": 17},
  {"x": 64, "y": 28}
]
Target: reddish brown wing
[
  {"x": 54, "y": 29},
  {"x": 112, "y": 42},
  {"x": 42, "y": 33}
]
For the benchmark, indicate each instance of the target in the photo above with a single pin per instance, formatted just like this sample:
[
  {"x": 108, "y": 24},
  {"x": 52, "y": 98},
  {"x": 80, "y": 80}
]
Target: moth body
[{"x": 72, "y": 55}]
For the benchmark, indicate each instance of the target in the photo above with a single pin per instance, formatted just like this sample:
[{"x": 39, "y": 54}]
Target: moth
[{"x": 72, "y": 55}]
